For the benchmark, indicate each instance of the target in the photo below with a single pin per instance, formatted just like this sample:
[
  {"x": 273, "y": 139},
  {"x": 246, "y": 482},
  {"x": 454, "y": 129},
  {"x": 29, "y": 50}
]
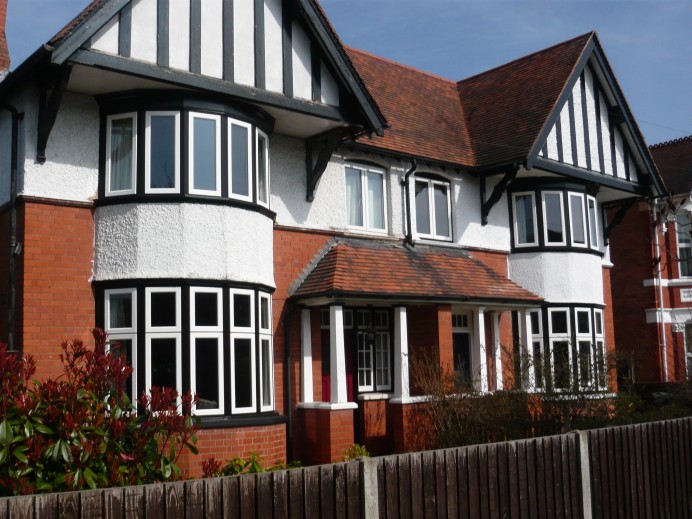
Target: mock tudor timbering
[{"x": 283, "y": 225}]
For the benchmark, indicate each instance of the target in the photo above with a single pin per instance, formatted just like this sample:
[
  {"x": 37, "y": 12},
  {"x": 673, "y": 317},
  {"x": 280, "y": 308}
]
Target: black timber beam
[
  {"x": 49, "y": 105},
  {"x": 327, "y": 143},
  {"x": 496, "y": 195}
]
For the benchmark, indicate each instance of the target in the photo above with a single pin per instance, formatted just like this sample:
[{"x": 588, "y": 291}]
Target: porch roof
[{"x": 388, "y": 270}]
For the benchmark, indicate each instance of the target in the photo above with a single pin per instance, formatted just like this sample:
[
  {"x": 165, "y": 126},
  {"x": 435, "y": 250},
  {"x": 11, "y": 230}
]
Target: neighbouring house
[
  {"x": 652, "y": 284},
  {"x": 279, "y": 223}
]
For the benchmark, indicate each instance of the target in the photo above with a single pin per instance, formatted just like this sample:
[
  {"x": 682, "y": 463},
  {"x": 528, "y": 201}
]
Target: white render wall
[
  {"x": 187, "y": 241},
  {"x": 559, "y": 277}
]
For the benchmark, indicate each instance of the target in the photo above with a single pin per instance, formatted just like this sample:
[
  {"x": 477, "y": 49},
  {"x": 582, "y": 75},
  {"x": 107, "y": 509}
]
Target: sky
[{"x": 648, "y": 42}]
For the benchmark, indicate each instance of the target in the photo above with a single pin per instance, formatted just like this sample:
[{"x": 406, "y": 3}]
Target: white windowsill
[{"x": 328, "y": 406}]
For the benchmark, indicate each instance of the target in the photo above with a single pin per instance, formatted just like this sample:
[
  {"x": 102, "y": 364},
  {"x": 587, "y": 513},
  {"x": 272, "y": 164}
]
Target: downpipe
[
  {"x": 659, "y": 282},
  {"x": 407, "y": 194}
]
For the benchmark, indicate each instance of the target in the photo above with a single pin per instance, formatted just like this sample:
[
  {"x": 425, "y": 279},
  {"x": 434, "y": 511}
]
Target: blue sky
[{"x": 648, "y": 42}]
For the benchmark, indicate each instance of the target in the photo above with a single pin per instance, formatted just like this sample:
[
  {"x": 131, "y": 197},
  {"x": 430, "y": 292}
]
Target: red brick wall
[
  {"x": 4, "y": 273},
  {"x": 269, "y": 441},
  {"x": 374, "y": 427},
  {"x": 4, "y": 50},
  {"x": 408, "y": 428},
  {"x": 495, "y": 260},
  {"x": 55, "y": 301},
  {"x": 326, "y": 435}
]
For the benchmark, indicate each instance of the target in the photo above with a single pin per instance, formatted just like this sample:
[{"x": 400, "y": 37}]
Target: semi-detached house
[{"x": 279, "y": 223}]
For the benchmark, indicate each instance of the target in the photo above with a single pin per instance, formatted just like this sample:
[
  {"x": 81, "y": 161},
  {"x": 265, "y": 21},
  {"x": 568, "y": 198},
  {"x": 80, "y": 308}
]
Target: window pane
[
  {"x": 683, "y": 227},
  {"x": 583, "y": 322},
  {"x": 525, "y": 222},
  {"x": 120, "y": 311},
  {"x": 242, "y": 374},
  {"x": 422, "y": 208},
  {"x": 685, "y": 257},
  {"x": 375, "y": 201},
  {"x": 585, "y": 363},
  {"x": 264, "y": 313},
  {"x": 561, "y": 369},
  {"x": 535, "y": 323},
  {"x": 163, "y": 310},
  {"x": 600, "y": 359},
  {"x": 266, "y": 373},
  {"x": 163, "y": 363},
  {"x": 441, "y": 211},
  {"x": 239, "y": 160},
  {"x": 382, "y": 378},
  {"x": 593, "y": 230},
  {"x": 242, "y": 315},
  {"x": 123, "y": 348},
  {"x": 122, "y": 131},
  {"x": 262, "y": 180},
  {"x": 206, "y": 309},
  {"x": 365, "y": 360},
  {"x": 538, "y": 364},
  {"x": 599, "y": 323},
  {"x": 163, "y": 152},
  {"x": 206, "y": 372},
  {"x": 354, "y": 197},
  {"x": 204, "y": 143},
  {"x": 558, "y": 321},
  {"x": 553, "y": 217},
  {"x": 576, "y": 208}
]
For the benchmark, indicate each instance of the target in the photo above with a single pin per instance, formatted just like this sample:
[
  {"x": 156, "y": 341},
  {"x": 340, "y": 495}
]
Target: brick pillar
[{"x": 4, "y": 50}]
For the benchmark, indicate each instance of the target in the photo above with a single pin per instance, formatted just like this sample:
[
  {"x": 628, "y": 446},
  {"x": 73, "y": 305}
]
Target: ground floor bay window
[{"x": 211, "y": 339}]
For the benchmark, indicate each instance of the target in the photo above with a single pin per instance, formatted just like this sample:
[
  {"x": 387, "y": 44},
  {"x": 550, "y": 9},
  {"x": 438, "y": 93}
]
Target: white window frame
[
  {"x": 147, "y": 154},
  {"x": 683, "y": 245},
  {"x": 594, "y": 239},
  {"x": 265, "y": 297},
  {"x": 191, "y": 153},
  {"x": 431, "y": 208},
  {"x": 600, "y": 347},
  {"x": 364, "y": 170},
  {"x": 162, "y": 329},
  {"x": 248, "y": 128},
  {"x": 366, "y": 370},
  {"x": 133, "y": 188},
  {"x": 388, "y": 367},
  {"x": 219, "y": 309},
  {"x": 534, "y": 243},
  {"x": 536, "y": 336},
  {"x": 545, "y": 220},
  {"x": 242, "y": 329},
  {"x": 580, "y": 337},
  {"x": 573, "y": 243},
  {"x": 178, "y": 361},
  {"x": 220, "y": 364},
  {"x": 119, "y": 291},
  {"x": 253, "y": 370},
  {"x": 560, "y": 337},
  {"x": 261, "y": 135},
  {"x": 270, "y": 406}
]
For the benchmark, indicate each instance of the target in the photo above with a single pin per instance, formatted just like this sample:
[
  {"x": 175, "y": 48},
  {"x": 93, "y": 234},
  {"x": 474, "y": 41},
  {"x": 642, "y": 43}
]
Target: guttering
[
  {"x": 15, "y": 247},
  {"x": 409, "y": 234},
  {"x": 662, "y": 324}
]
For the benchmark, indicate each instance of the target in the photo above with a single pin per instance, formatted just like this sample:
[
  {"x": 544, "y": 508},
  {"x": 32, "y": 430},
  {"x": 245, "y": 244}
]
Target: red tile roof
[
  {"x": 674, "y": 162},
  {"x": 76, "y": 21},
  {"x": 383, "y": 269}
]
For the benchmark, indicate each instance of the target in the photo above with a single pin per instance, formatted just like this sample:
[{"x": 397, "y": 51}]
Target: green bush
[
  {"x": 81, "y": 431},
  {"x": 354, "y": 452}
]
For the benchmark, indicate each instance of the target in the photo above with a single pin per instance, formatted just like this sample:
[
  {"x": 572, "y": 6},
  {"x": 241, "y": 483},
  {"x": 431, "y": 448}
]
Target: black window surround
[
  {"x": 197, "y": 332},
  {"x": 163, "y": 119},
  {"x": 575, "y": 219}
]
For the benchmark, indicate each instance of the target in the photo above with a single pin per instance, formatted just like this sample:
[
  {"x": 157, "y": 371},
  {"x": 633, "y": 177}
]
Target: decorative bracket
[
  {"x": 500, "y": 187},
  {"x": 328, "y": 142},
  {"x": 48, "y": 108},
  {"x": 618, "y": 217}
]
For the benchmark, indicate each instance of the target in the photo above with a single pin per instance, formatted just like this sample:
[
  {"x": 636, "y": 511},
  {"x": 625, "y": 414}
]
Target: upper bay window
[
  {"x": 189, "y": 148},
  {"x": 365, "y": 197},
  {"x": 525, "y": 229},
  {"x": 433, "y": 208}
]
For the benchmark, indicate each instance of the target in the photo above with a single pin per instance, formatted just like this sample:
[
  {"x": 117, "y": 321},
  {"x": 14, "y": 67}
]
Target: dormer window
[{"x": 433, "y": 208}]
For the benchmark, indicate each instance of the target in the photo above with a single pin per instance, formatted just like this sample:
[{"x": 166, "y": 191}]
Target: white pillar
[
  {"x": 401, "y": 386},
  {"x": 337, "y": 355},
  {"x": 527, "y": 360},
  {"x": 498, "y": 351},
  {"x": 306, "y": 387},
  {"x": 480, "y": 360}
]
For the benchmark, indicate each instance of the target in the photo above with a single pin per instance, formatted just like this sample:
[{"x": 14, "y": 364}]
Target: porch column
[
  {"x": 401, "y": 386},
  {"x": 306, "y": 386},
  {"x": 480, "y": 360},
  {"x": 337, "y": 355},
  {"x": 497, "y": 347},
  {"x": 527, "y": 360}
]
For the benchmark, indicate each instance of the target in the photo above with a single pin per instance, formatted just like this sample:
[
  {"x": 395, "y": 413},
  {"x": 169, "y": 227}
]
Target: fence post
[
  {"x": 369, "y": 494},
  {"x": 585, "y": 472}
]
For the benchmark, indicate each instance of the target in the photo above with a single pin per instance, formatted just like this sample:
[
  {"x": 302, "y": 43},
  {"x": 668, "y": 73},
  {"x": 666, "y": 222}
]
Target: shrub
[
  {"x": 354, "y": 452},
  {"x": 81, "y": 430},
  {"x": 213, "y": 468}
]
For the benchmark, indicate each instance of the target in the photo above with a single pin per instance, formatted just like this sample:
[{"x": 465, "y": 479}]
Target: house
[
  {"x": 652, "y": 292},
  {"x": 279, "y": 223}
]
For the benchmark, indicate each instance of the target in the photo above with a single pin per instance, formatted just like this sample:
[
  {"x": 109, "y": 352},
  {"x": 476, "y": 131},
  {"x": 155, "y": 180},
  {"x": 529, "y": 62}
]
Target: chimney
[{"x": 4, "y": 50}]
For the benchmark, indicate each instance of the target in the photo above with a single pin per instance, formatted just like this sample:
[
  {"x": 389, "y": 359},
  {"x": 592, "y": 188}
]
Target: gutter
[
  {"x": 15, "y": 247},
  {"x": 407, "y": 193}
]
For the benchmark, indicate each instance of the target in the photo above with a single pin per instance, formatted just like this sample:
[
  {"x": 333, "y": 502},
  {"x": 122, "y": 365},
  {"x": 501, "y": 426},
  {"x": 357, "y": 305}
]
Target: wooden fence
[{"x": 635, "y": 471}]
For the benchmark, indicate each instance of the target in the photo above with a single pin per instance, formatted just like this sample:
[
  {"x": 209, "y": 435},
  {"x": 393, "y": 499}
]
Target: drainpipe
[
  {"x": 659, "y": 282},
  {"x": 409, "y": 233},
  {"x": 287, "y": 379},
  {"x": 15, "y": 247}
]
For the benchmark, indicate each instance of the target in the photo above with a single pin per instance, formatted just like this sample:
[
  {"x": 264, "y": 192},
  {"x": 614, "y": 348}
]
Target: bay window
[
  {"x": 262, "y": 162},
  {"x": 593, "y": 222},
  {"x": 365, "y": 197},
  {"x": 561, "y": 354},
  {"x": 205, "y": 154},
  {"x": 162, "y": 157},
  {"x": 206, "y": 349},
  {"x": 121, "y": 145},
  {"x": 577, "y": 220},
  {"x": 525, "y": 231},
  {"x": 239, "y": 164},
  {"x": 433, "y": 209},
  {"x": 121, "y": 326},
  {"x": 553, "y": 218}
]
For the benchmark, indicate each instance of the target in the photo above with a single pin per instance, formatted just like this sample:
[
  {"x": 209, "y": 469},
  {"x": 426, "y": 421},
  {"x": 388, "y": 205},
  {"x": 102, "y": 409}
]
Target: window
[
  {"x": 538, "y": 366},
  {"x": 262, "y": 169},
  {"x": 266, "y": 354},
  {"x": 682, "y": 228},
  {"x": 121, "y": 326},
  {"x": 553, "y": 218},
  {"x": 600, "y": 354},
  {"x": 121, "y": 163},
  {"x": 242, "y": 351},
  {"x": 577, "y": 220},
  {"x": 365, "y": 197},
  {"x": 433, "y": 209},
  {"x": 206, "y": 350},
  {"x": 585, "y": 358},
  {"x": 561, "y": 355},
  {"x": 525, "y": 229},
  {"x": 162, "y": 166},
  {"x": 239, "y": 164},
  {"x": 374, "y": 350},
  {"x": 205, "y": 154},
  {"x": 163, "y": 339},
  {"x": 593, "y": 222}
]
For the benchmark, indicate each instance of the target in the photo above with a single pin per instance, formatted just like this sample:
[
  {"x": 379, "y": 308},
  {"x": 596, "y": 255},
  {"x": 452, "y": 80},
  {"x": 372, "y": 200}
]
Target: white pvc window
[
  {"x": 206, "y": 309},
  {"x": 365, "y": 361},
  {"x": 553, "y": 218},
  {"x": 266, "y": 373},
  {"x": 242, "y": 310},
  {"x": 243, "y": 393},
  {"x": 121, "y": 326},
  {"x": 121, "y": 154},
  {"x": 163, "y": 338},
  {"x": 684, "y": 243},
  {"x": 601, "y": 371},
  {"x": 560, "y": 348},
  {"x": 433, "y": 209},
  {"x": 366, "y": 198},
  {"x": 585, "y": 350},
  {"x": 577, "y": 220},
  {"x": 163, "y": 309},
  {"x": 239, "y": 160},
  {"x": 525, "y": 224},
  {"x": 204, "y": 154},
  {"x": 593, "y": 221},
  {"x": 539, "y": 365},
  {"x": 162, "y": 152},
  {"x": 262, "y": 167},
  {"x": 206, "y": 349}
]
